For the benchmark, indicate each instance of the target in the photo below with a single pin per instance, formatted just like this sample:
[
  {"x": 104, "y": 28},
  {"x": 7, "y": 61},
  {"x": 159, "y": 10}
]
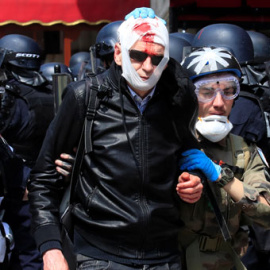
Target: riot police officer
[
  {"x": 48, "y": 69},
  {"x": 101, "y": 53},
  {"x": 25, "y": 113},
  {"x": 77, "y": 63}
]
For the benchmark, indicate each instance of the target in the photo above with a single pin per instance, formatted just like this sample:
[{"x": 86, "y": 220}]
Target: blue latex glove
[
  {"x": 143, "y": 12},
  {"x": 195, "y": 159}
]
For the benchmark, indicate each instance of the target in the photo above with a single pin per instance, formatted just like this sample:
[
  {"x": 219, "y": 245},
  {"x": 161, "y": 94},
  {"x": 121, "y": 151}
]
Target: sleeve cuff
[{"x": 49, "y": 245}]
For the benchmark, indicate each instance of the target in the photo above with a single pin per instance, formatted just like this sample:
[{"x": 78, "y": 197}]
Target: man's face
[
  {"x": 144, "y": 57},
  {"x": 218, "y": 105},
  {"x": 146, "y": 67}
]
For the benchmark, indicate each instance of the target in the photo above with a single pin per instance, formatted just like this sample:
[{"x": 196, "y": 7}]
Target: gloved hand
[
  {"x": 195, "y": 159},
  {"x": 143, "y": 12}
]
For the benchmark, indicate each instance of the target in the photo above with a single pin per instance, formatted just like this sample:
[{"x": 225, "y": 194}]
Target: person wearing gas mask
[
  {"x": 125, "y": 205},
  {"x": 236, "y": 170}
]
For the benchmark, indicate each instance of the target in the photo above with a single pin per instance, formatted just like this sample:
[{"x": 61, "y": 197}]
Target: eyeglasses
[
  {"x": 207, "y": 89},
  {"x": 141, "y": 56}
]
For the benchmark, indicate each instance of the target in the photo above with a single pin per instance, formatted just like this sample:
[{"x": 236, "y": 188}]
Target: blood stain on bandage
[{"x": 142, "y": 29}]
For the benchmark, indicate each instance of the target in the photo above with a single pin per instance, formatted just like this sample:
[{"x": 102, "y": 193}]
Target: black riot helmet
[
  {"x": 78, "y": 58},
  {"x": 177, "y": 47},
  {"x": 48, "y": 69},
  {"x": 261, "y": 45},
  {"x": 184, "y": 35},
  {"x": 76, "y": 61},
  {"x": 20, "y": 51},
  {"x": 228, "y": 36},
  {"x": 209, "y": 60},
  {"x": 106, "y": 39}
]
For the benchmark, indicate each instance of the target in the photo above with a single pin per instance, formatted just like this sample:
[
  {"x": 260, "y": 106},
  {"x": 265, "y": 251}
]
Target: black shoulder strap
[
  {"x": 219, "y": 217},
  {"x": 93, "y": 85},
  {"x": 92, "y": 88}
]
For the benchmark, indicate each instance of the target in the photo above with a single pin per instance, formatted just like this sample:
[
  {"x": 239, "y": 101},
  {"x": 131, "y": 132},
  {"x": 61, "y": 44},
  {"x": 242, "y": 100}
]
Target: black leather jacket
[{"x": 125, "y": 201}]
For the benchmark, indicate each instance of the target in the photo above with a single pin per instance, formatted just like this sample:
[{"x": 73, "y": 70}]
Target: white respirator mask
[
  {"x": 148, "y": 29},
  {"x": 214, "y": 127}
]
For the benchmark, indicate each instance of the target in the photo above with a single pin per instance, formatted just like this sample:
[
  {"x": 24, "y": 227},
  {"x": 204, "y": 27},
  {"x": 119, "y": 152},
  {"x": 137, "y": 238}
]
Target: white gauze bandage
[{"x": 151, "y": 30}]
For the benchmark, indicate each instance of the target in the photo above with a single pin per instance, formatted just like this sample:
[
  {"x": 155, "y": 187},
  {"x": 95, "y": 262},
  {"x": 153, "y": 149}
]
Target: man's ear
[{"x": 118, "y": 54}]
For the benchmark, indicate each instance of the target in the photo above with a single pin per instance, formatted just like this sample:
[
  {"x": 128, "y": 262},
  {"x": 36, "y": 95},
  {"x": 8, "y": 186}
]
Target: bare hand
[
  {"x": 54, "y": 260},
  {"x": 64, "y": 165},
  {"x": 189, "y": 187}
]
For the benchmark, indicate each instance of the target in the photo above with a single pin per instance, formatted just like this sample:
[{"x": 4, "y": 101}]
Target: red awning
[{"x": 67, "y": 12}]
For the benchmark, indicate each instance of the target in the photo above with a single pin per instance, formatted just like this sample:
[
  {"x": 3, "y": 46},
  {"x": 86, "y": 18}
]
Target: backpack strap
[
  {"x": 93, "y": 86},
  {"x": 68, "y": 195},
  {"x": 85, "y": 142}
]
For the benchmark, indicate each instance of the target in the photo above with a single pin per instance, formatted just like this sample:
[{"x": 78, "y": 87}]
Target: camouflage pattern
[{"x": 200, "y": 220}]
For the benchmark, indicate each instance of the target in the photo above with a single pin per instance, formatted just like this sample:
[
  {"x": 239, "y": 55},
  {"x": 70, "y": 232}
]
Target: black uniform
[{"x": 25, "y": 114}]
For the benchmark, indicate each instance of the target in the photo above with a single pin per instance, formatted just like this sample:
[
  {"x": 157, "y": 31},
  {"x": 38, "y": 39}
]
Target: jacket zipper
[{"x": 143, "y": 202}]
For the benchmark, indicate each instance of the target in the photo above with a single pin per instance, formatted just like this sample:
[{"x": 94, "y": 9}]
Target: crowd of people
[{"x": 157, "y": 157}]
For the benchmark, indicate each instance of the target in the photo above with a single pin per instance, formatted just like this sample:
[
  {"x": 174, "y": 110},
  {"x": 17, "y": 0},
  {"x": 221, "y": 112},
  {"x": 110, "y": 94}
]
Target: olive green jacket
[{"x": 199, "y": 218}]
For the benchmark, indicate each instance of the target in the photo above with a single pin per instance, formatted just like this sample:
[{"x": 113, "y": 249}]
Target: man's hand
[
  {"x": 189, "y": 187},
  {"x": 54, "y": 260},
  {"x": 64, "y": 164}
]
